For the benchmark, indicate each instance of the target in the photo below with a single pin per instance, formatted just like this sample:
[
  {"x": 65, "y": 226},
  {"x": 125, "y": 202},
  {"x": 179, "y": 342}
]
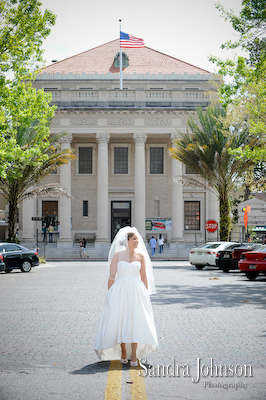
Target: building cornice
[
  {"x": 129, "y": 77},
  {"x": 89, "y": 111}
]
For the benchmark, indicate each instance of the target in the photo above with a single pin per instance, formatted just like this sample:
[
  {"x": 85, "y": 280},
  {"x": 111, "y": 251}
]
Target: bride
[{"x": 126, "y": 329}]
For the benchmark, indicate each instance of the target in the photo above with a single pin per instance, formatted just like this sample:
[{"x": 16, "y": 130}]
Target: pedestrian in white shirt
[{"x": 161, "y": 242}]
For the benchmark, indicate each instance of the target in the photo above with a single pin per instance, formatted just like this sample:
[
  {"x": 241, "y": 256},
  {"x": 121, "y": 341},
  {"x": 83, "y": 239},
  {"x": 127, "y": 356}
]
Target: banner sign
[{"x": 158, "y": 224}]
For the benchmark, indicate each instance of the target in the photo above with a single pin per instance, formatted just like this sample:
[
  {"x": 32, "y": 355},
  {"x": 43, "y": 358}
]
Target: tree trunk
[
  {"x": 12, "y": 218},
  {"x": 224, "y": 219},
  {"x": 246, "y": 193}
]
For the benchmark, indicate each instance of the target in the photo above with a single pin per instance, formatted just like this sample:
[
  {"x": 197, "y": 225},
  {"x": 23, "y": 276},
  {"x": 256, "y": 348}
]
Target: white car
[{"x": 206, "y": 253}]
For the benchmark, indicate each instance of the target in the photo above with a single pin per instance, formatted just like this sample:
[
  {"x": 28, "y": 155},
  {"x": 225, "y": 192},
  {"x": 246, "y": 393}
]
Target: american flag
[{"x": 127, "y": 40}]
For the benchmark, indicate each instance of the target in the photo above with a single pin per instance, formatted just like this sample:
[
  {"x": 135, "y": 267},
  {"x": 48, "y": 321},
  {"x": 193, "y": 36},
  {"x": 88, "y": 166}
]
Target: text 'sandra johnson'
[{"x": 175, "y": 369}]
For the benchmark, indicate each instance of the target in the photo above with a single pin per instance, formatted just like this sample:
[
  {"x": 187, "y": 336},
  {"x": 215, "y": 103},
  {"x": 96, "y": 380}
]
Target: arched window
[{"x": 125, "y": 61}]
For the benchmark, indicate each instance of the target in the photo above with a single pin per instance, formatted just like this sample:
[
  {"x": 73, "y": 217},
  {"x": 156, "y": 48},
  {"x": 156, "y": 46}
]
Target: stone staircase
[{"x": 51, "y": 252}]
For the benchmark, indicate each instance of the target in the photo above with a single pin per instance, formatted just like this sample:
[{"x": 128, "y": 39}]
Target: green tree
[
  {"x": 250, "y": 26},
  {"x": 243, "y": 91},
  {"x": 23, "y": 28},
  {"x": 28, "y": 153},
  {"x": 204, "y": 149}
]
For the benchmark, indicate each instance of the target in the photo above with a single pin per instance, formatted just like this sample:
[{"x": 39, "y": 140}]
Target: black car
[
  {"x": 224, "y": 257},
  {"x": 2, "y": 265},
  {"x": 15, "y": 256}
]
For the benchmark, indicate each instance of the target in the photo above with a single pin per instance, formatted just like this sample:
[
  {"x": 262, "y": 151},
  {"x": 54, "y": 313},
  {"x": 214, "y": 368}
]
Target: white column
[
  {"x": 177, "y": 199},
  {"x": 65, "y": 239},
  {"x": 140, "y": 186},
  {"x": 102, "y": 190},
  {"x": 29, "y": 211},
  {"x": 212, "y": 212}
]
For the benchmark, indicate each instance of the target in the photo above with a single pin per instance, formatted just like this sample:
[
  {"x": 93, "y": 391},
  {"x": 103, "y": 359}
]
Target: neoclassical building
[{"x": 123, "y": 173}]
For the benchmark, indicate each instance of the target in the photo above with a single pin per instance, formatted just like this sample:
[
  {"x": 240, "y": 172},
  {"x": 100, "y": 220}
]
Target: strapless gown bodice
[
  {"x": 127, "y": 316},
  {"x": 129, "y": 270}
]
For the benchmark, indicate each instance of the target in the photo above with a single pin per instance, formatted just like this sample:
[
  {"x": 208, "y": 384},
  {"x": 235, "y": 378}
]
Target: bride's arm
[
  {"x": 143, "y": 275},
  {"x": 113, "y": 267}
]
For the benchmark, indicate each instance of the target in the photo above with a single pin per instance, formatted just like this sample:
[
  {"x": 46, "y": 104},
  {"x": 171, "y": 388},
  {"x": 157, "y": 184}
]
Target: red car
[
  {"x": 241, "y": 249},
  {"x": 253, "y": 263}
]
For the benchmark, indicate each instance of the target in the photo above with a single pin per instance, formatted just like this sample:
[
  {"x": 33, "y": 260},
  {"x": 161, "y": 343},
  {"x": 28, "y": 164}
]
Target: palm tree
[
  {"x": 30, "y": 158},
  {"x": 204, "y": 148}
]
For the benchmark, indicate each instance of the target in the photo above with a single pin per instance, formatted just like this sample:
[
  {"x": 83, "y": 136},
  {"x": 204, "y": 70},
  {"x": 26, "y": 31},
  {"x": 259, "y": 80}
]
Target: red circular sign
[{"x": 211, "y": 225}]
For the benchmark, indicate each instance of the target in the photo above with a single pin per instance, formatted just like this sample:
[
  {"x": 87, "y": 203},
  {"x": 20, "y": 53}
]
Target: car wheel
[
  {"x": 251, "y": 275},
  {"x": 226, "y": 269},
  {"x": 7, "y": 271},
  {"x": 199, "y": 266},
  {"x": 26, "y": 266}
]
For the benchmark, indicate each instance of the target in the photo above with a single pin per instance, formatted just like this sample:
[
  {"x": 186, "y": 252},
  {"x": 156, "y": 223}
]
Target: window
[
  {"x": 192, "y": 215},
  {"x": 125, "y": 61},
  {"x": 85, "y": 208},
  {"x": 10, "y": 247},
  {"x": 50, "y": 212},
  {"x": 120, "y": 160},
  {"x": 156, "y": 160},
  {"x": 85, "y": 160}
]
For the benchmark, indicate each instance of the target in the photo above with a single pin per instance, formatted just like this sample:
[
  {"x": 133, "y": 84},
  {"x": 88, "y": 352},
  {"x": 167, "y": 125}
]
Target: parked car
[
  {"x": 2, "y": 265},
  {"x": 206, "y": 253},
  {"x": 224, "y": 257},
  {"x": 252, "y": 263},
  {"x": 15, "y": 256},
  {"x": 246, "y": 247}
]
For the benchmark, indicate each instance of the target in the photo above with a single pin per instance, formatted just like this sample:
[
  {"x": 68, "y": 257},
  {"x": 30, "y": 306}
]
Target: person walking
[
  {"x": 153, "y": 245},
  {"x": 58, "y": 229},
  {"x": 44, "y": 229},
  {"x": 81, "y": 249},
  {"x": 85, "y": 255},
  {"x": 50, "y": 231},
  {"x": 127, "y": 329},
  {"x": 161, "y": 242}
]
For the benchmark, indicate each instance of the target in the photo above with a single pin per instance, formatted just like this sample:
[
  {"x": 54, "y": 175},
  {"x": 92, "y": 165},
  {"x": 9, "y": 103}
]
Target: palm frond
[{"x": 51, "y": 190}]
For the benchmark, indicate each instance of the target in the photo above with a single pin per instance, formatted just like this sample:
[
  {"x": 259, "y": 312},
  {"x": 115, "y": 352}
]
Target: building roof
[{"x": 141, "y": 61}]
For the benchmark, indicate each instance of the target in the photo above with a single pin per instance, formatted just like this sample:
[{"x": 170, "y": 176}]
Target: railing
[
  {"x": 84, "y": 95},
  {"x": 121, "y": 95},
  {"x": 170, "y": 97},
  {"x": 195, "y": 95},
  {"x": 56, "y": 95},
  {"x": 159, "y": 95}
]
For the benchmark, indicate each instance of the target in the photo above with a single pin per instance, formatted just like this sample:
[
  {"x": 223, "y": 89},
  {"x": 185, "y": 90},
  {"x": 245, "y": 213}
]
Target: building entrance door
[{"x": 120, "y": 216}]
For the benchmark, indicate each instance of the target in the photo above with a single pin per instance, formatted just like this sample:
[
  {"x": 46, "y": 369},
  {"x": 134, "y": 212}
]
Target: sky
[{"x": 189, "y": 30}]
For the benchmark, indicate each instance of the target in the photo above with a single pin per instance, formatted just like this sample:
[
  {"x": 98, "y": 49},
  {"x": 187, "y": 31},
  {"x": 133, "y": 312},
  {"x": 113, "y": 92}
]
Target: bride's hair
[{"x": 130, "y": 234}]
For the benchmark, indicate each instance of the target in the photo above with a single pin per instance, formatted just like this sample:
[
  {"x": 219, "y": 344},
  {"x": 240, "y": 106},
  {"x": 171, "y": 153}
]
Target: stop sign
[{"x": 211, "y": 225}]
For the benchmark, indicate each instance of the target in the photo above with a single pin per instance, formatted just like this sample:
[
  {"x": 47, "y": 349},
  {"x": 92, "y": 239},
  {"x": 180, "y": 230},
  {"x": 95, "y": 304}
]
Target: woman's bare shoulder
[{"x": 118, "y": 255}]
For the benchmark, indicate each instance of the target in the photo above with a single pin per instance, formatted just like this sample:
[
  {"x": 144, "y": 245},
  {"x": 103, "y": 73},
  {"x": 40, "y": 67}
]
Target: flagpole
[{"x": 120, "y": 59}]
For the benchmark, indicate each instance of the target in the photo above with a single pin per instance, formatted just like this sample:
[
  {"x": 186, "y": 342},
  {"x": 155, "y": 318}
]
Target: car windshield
[
  {"x": 11, "y": 247},
  {"x": 233, "y": 246},
  {"x": 261, "y": 249},
  {"x": 203, "y": 245},
  {"x": 212, "y": 245}
]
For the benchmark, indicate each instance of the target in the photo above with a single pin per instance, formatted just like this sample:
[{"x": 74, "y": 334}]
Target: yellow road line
[
  {"x": 113, "y": 387},
  {"x": 138, "y": 385}
]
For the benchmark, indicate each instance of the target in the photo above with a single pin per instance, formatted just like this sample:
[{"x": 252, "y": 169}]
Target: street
[{"x": 211, "y": 329}]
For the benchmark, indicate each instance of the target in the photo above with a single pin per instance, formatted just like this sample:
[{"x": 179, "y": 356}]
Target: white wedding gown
[{"x": 127, "y": 316}]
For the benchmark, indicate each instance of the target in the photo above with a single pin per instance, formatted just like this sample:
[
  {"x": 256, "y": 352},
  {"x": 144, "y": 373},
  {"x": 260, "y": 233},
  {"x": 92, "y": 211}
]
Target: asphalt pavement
[{"x": 211, "y": 330}]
